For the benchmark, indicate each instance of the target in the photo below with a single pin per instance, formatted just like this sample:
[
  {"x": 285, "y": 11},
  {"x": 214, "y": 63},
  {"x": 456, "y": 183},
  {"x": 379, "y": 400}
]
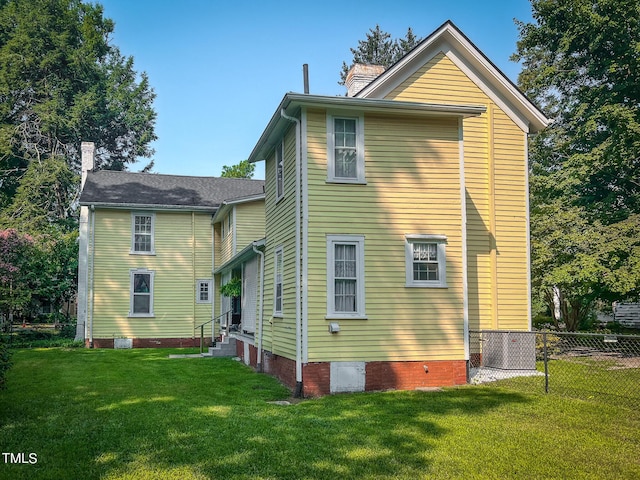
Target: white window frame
[
  {"x": 440, "y": 241},
  {"x": 278, "y": 252},
  {"x": 331, "y": 170},
  {"x": 132, "y": 294},
  {"x": 279, "y": 157},
  {"x": 199, "y": 283},
  {"x": 133, "y": 250},
  {"x": 358, "y": 241}
]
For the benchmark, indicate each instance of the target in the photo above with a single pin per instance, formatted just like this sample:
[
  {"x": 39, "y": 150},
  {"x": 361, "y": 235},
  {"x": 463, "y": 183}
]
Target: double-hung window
[
  {"x": 345, "y": 276},
  {"x": 426, "y": 260},
  {"x": 142, "y": 233},
  {"x": 278, "y": 284},
  {"x": 279, "y": 170},
  {"x": 203, "y": 291},
  {"x": 141, "y": 293},
  {"x": 345, "y": 149}
]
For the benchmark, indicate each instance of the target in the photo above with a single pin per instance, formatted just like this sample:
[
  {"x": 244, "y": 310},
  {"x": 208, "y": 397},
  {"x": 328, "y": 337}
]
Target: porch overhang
[{"x": 245, "y": 254}]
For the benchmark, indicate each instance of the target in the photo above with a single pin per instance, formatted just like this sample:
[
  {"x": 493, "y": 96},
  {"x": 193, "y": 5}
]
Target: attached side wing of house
[
  {"x": 147, "y": 257},
  {"x": 396, "y": 220}
]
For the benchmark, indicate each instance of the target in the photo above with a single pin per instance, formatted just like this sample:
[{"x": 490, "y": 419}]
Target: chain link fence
[{"x": 582, "y": 365}]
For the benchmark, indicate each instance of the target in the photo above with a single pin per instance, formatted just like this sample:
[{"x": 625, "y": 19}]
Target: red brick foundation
[
  {"x": 153, "y": 342},
  {"x": 412, "y": 375},
  {"x": 316, "y": 377}
]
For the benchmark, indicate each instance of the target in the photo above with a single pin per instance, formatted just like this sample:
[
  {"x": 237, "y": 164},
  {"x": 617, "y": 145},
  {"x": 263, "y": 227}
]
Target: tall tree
[
  {"x": 581, "y": 62},
  {"x": 62, "y": 82},
  {"x": 243, "y": 169},
  {"x": 378, "y": 48}
]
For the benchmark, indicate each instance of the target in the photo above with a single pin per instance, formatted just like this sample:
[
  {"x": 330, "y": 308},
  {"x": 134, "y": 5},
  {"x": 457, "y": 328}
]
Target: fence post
[
  {"x": 201, "y": 339},
  {"x": 546, "y": 362}
]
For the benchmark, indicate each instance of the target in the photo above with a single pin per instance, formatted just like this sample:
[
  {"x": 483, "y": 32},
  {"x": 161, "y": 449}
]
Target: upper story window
[
  {"x": 345, "y": 276},
  {"x": 345, "y": 149},
  {"x": 142, "y": 233},
  {"x": 225, "y": 225},
  {"x": 279, "y": 170},
  {"x": 426, "y": 260}
]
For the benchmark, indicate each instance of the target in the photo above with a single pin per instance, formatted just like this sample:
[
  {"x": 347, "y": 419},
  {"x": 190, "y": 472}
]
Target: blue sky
[{"x": 220, "y": 69}]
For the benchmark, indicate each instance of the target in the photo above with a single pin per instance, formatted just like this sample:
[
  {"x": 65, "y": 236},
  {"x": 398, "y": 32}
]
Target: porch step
[{"x": 227, "y": 348}]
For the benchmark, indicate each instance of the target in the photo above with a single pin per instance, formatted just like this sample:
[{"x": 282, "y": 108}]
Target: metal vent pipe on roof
[{"x": 305, "y": 75}]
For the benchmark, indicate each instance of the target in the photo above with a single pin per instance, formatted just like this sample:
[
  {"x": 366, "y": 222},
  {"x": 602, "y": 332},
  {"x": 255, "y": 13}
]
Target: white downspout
[
  {"x": 92, "y": 232},
  {"x": 213, "y": 279},
  {"x": 260, "y": 311},
  {"x": 298, "y": 390},
  {"x": 465, "y": 272}
]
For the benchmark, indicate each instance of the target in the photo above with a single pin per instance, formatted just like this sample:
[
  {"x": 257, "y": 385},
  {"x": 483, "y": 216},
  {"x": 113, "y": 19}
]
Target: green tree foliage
[
  {"x": 243, "y": 169},
  {"x": 378, "y": 48},
  {"x": 581, "y": 64},
  {"x": 62, "y": 82},
  {"x": 44, "y": 200},
  {"x": 17, "y": 274}
]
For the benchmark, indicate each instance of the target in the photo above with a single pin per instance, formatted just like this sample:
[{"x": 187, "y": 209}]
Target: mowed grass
[{"x": 137, "y": 414}]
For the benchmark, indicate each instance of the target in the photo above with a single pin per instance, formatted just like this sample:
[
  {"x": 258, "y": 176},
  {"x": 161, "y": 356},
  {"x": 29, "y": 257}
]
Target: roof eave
[
  {"x": 293, "y": 102},
  {"x": 227, "y": 204},
  {"x": 145, "y": 206}
]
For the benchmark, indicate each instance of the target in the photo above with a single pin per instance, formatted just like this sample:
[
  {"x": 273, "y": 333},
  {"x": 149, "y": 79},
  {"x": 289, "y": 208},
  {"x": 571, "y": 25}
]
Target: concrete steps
[{"x": 227, "y": 348}]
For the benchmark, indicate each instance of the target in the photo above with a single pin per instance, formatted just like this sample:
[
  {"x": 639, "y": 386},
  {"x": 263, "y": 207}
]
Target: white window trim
[
  {"x": 441, "y": 242},
  {"x": 358, "y": 241},
  {"x": 276, "y": 252},
  {"x": 133, "y": 251},
  {"x": 360, "y": 172},
  {"x": 132, "y": 273},
  {"x": 279, "y": 151},
  {"x": 209, "y": 282}
]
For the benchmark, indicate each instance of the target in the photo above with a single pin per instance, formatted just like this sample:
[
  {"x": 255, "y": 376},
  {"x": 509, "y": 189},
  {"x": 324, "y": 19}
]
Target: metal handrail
[{"x": 207, "y": 322}]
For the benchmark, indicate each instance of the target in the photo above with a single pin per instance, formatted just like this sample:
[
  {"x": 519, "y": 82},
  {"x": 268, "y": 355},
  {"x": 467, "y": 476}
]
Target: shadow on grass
[{"x": 135, "y": 414}]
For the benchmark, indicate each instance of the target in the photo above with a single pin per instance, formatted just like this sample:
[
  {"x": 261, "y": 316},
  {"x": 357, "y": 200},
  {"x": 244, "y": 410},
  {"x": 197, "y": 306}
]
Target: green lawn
[{"x": 137, "y": 414}]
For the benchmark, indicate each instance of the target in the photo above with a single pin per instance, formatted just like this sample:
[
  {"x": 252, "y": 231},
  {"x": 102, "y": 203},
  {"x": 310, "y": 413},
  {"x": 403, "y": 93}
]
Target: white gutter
[
  {"x": 298, "y": 390},
  {"x": 261, "y": 303},
  {"x": 151, "y": 206}
]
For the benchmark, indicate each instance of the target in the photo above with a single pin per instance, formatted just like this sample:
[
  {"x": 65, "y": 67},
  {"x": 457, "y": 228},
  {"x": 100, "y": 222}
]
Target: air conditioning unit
[{"x": 509, "y": 350}]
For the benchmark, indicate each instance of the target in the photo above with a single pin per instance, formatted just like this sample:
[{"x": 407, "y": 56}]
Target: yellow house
[
  {"x": 396, "y": 221},
  {"x": 147, "y": 255},
  {"x": 392, "y": 221}
]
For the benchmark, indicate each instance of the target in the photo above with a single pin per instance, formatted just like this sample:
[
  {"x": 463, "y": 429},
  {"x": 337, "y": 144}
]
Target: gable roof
[
  {"x": 450, "y": 40},
  {"x": 150, "y": 190}
]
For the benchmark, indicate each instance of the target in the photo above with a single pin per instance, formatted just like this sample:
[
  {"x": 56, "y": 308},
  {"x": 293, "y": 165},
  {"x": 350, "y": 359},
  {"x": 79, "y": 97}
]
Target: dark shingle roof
[{"x": 113, "y": 188}]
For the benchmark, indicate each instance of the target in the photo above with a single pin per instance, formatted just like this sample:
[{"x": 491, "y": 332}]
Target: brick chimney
[
  {"x": 88, "y": 159},
  {"x": 361, "y": 75}
]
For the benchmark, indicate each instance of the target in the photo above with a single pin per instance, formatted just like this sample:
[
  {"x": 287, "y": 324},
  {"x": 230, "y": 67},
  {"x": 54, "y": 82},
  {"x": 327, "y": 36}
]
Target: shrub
[{"x": 5, "y": 361}]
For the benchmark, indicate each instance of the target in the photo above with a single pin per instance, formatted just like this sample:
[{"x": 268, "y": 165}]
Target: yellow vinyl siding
[
  {"x": 494, "y": 156},
  {"x": 249, "y": 223},
  {"x": 279, "y": 332},
  {"x": 413, "y": 187},
  {"x": 226, "y": 242},
  {"x": 183, "y": 255}
]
